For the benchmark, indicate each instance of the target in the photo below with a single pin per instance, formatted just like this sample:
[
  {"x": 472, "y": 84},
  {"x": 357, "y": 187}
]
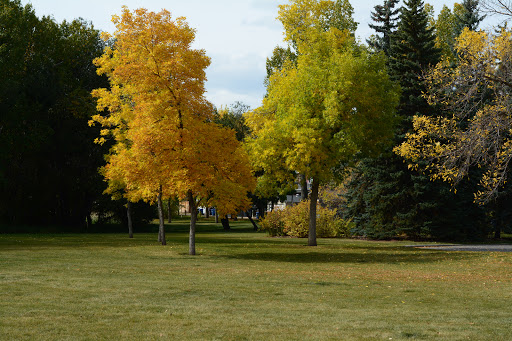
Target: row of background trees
[
  {"x": 384, "y": 197},
  {"x": 49, "y": 163},
  {"x": 388, "y": 198}
]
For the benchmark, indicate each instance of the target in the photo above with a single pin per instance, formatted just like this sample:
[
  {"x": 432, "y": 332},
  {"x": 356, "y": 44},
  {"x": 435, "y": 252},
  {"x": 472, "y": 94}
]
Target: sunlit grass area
[{"x": 246, "y": 286}]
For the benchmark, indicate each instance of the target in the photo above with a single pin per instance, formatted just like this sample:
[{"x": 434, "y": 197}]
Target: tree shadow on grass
[{"x": 372, "y": 256}]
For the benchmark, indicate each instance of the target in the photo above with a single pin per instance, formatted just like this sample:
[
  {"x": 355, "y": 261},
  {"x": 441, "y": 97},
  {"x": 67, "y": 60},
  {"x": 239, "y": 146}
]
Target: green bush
[
  {"x": 344, "y": 227},
  {"x": 294, "y": 221}
]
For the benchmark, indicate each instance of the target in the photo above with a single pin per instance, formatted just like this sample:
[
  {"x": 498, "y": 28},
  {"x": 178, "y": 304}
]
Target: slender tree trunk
[
  {"x": 88, "y": 220},
  {"x": 497, "y": 223},
  {"x": 129, "y": 216},
  {"x": 262, "y": 208},
  {"x": 304, "y": 187},
  {"x": 207, "y": 213},
  {"x": 169, "y": 211},
  {"x": 225, "y": 223},
  {"x": 249, "y": 215},
  {"x": 193, "y": 219},
  {"x": 312, "y": 213},
  {"x": 216, "y": 216},
  {"x": 161, "y": 228},
  {"x": 497, "y": 233}
]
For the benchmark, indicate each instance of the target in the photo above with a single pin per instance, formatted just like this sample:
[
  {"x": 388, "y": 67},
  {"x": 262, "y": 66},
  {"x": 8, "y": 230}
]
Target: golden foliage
[
  {"x": 475, "y": 128},
  {"x": 156, "y": 113}
]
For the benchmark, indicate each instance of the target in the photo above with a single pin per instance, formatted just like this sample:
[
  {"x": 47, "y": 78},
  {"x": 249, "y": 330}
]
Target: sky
[{"x": 238, "y": 35}]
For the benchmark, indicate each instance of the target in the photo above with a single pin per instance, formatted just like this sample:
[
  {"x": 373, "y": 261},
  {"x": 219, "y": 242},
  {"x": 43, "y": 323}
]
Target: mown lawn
[{"x": 247, "y": 286}]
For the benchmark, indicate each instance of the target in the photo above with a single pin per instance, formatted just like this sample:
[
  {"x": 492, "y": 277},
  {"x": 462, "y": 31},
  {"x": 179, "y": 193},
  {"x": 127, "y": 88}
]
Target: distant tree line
[
  {"x": 48, "y": 160},
  {"x": 377, "y": 126}
]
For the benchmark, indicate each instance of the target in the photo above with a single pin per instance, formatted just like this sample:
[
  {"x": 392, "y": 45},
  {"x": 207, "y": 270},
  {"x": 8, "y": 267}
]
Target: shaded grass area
[{"x": 246, "y": 286}]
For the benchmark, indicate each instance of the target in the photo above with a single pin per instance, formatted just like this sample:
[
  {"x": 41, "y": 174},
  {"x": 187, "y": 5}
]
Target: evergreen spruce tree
[
  {"x": 385, "y": 18},
  {"x": 386, "y": 199},
  {"x": 412, "y": 52},
  {"x": 470, "y": 17}
]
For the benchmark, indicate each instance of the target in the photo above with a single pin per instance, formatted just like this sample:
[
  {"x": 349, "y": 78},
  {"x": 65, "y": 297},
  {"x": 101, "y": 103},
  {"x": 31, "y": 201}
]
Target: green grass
[{"x": 246, "y": 286}]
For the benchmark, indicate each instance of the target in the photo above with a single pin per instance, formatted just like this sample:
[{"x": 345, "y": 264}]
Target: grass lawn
[{"x": 247, "y": 286}]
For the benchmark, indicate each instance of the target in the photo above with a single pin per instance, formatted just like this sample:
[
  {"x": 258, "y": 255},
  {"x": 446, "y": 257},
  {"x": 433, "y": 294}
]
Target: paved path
[{"x": 455, "y": 247}]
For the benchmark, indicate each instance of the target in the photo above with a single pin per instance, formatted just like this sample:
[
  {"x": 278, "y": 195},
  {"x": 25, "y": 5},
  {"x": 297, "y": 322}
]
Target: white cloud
[{"x": 223, "y": 97}]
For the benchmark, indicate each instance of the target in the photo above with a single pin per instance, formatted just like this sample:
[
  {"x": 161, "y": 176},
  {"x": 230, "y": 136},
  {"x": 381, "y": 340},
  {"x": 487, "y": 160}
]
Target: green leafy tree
[
  {"x": 233, "y": 117},
  {"x": 279, "y": 57},
  {"x": 337, "y": 102},
  {"x": 48, "y": 163},
  {"x": 446, "y": 31},
  {"x": 297, "y": 17},
  {"x": 450, "y": 24}
]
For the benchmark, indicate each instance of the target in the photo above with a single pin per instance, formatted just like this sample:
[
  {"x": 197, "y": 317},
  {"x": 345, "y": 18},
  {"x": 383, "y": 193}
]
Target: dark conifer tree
[
  {"x": 385, "y": 20},
  {"x": 412, "y": 52},
  {"x": 470, "y": 18},
  {"x": 386, "y": 199}
]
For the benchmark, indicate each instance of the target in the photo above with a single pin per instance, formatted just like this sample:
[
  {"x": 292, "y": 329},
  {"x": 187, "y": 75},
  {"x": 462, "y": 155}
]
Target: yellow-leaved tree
[
  {"x": 166, "y": 144},
  {"x": 474, "y": 127},
  {"x": 335, "y": 103}
]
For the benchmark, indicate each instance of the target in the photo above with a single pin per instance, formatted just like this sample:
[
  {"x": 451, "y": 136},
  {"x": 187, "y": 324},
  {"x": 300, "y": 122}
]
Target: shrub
[
  {"x": 344, "y": 227},
  {"x": 326, "y": 222},
  {"x": 294, "y": 221},
  {"x": 273, "y": 223}
]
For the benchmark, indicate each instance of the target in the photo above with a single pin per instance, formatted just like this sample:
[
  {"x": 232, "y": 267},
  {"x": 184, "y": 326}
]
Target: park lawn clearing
[{"x": 244, "y": 285}]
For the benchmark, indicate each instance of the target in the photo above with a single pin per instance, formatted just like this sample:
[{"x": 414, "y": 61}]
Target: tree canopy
[
  {"x": 337, "y": 102},
  {"x": 48, "y": 163},
  {"x": 161, "y": 122},
  {"x": 475, "y": 128}
]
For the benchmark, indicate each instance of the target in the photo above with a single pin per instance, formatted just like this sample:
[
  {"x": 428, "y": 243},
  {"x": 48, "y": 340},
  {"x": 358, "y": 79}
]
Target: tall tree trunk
[
  {"x": 225, "y": 223},
  {"x": 262, "y": 208},
  {"x": 312, "y": 213},
  {"x": 129, "y": 216},
  {"x": 303, "y": 187},
  {"x": 193, "y": 219},
  {"x": 161, "y": 228},
  {"x": 497, "y": 233},
  {"x": 216, "y": 216},
  {"x": 169, "y": 211},
  {"x": 499, "y": 219},
  {"x": 249, "y": 215},
  {"x": 88, "y": 219},
  {"x": 207, "y": 212}
]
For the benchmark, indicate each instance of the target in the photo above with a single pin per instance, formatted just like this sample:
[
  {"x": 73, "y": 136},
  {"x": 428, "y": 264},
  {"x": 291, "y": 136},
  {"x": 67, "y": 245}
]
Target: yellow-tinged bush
[
  {"x": 273, "y": 223},
  {"x": 294, "y": 221}
]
